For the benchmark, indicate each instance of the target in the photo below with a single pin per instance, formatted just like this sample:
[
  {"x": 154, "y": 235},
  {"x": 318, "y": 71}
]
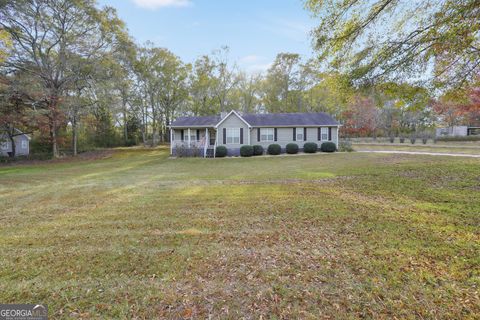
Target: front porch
[{"x": 193, "y": 142}]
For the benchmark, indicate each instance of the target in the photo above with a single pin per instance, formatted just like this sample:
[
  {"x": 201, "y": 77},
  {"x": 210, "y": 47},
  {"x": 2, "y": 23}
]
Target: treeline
[{"x": 73, "y": 78}]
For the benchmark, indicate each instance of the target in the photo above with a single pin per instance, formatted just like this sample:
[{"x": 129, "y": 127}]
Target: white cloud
[
  {"x": 155, "y": 4},
  {"x": 255, "y": 68},
  {"x": 254, "y": 63},
  {"x": 250, "y": 58}
]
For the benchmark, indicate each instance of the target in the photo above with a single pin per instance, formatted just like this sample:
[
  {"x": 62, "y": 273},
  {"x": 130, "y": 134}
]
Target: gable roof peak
[{"x": 229, "y": 114}]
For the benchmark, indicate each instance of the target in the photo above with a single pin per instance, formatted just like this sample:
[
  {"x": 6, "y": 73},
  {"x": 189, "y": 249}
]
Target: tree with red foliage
[
  {"x": 457, "y": 110},
  {"x": 472, "y": 110},
  {"x": 362, "y": 117}
]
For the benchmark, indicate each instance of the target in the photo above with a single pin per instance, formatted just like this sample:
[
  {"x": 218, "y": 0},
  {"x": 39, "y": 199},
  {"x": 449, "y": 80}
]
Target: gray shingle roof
[
  {"x": 264, "y": 120},
  {"x": 290, "y": 119},
  {"x": 196, "y": 121}
]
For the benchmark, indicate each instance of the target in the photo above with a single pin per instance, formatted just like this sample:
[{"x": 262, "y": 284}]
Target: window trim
[
  {"x": 4, "y": 146},
  {"x": 24, "y": 144},
  {"x": 322, "y": 132},
  {"x": 272, "y": 133},
  {"x": 300, "y": 130},
  {"x": 232, "y": 137}
]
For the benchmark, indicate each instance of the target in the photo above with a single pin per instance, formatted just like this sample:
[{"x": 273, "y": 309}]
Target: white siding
[
  {"x": 233, "y": 121},
  {"x": 19, "y": 149},
  {"x": 285, "y": 136}
]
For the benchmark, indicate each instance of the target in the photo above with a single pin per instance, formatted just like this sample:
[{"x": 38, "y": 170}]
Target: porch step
[{"x": 210, "y": 153}]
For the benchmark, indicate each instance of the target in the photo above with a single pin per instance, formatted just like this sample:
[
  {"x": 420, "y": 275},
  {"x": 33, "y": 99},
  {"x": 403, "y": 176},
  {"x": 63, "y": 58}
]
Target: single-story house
[
  {"x": 201, "y": 135},
  {"x": 22, "y": 144}
]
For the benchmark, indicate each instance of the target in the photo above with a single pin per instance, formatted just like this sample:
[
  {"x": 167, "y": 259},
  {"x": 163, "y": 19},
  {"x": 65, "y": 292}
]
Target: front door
[{"x": 212, "y": 133}]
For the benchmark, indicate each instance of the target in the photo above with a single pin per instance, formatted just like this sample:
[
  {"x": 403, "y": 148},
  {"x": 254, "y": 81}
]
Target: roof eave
[
  {"x": 192, "y": 126},
  {"x": 296, "y": 125}
]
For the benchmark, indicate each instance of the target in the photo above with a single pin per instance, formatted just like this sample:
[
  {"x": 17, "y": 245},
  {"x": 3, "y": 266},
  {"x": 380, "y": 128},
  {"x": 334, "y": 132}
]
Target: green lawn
[
  {"x": 451, "y": 148},
  {"x": 138, "y": 235}
]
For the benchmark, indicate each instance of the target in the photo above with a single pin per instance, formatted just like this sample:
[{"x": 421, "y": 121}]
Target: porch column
[
  {"x": 189, "y": 137},
  {"x": 338, "y": 128},
  {"x": 207, "y": 143},
  {"x": 249, "y": 136},
  {"x": 216, "y": 143}
]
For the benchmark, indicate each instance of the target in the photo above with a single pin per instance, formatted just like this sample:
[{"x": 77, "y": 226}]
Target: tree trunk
[
  {"x": 125, "y": 128},
  {"x": 154, "y": 135},
  {"x": 74, "y": 135},
  {"x": 125, "y": 120},
  {"x": 14, "y": 147},
  {"x": 144, "y": 124},
  {"x": 53, "y": 138},
  {"x": 161, "y": 128},
  {"x": 53, "y": 104},
  {"x": 167, "y": 121},
  {"x": 155, "y": 123}
]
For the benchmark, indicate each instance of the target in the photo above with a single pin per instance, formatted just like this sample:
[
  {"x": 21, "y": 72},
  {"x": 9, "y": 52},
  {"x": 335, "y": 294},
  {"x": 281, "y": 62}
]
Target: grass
[
  {"x": 418, "y": 147},
  {"x": 448, "y": 141},
  {"x": 138, "y": 235}
]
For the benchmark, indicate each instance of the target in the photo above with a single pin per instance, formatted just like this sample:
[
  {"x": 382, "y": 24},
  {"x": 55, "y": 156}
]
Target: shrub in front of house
[
  {"x": 274, "y": 149},
  {"x": 292, "y": 148},
  {"x": 328, "y": 147},
  {"x": 310, "y": 147},
  {"x": 257, "y": 150},
  {"x": 246, "y": 151},
  {"x": 221, "y": 152},
  {"x": 181, "y": 151}
]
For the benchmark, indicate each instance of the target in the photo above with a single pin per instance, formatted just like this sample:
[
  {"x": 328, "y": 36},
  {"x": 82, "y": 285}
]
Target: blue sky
[{"x": 255, "y": 31}]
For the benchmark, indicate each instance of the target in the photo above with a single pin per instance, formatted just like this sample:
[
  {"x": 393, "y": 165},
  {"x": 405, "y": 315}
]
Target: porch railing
[
  {"x": 195, "y": 147},
  {"x": 200, "y": 145},
  {"x": 193, "y": 144}
]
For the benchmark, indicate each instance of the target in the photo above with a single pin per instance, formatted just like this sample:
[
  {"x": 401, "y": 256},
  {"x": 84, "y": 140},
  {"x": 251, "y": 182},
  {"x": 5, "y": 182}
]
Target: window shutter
[
  {"x": 294, "y": 134},
  {"x": 258, "y": 134},
  {"x": 198, "y": 135},
  {"x": 304, "y": 134},
  {"x": 241, "y": 135},
  {"x": 319, "y": 134},
  {"x": 224, "y": 135},
  {"x": 182, "y": 134},
  {"x": 329, "y": 133},
  {"x": 275, "y": 135}
]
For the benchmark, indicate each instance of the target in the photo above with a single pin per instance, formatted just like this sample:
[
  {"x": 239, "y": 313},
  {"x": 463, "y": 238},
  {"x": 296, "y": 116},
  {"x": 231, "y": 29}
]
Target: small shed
[
  {"x": 457, "y": 131},
  {"x": 22, "y": 144}
]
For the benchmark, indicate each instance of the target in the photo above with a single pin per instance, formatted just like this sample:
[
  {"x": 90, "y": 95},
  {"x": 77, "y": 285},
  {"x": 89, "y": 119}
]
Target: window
[
  {"x": 266, "y": 134},
  {"x": 233, "y": 135},
  {"x": 299, "y": 133},
  {"x": 5, "y": 145},
  {"x": 193, "y": 135},
  {"x": 24, "y": 144},
  {"x": 324, "y": 133}
]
